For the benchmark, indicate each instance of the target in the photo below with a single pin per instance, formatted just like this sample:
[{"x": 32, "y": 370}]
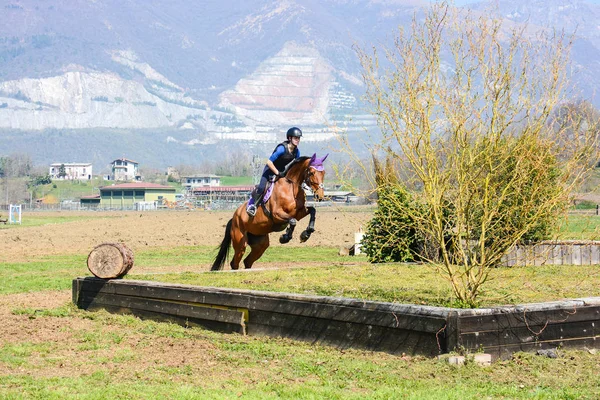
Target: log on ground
[{"x": 110, "y": 260}]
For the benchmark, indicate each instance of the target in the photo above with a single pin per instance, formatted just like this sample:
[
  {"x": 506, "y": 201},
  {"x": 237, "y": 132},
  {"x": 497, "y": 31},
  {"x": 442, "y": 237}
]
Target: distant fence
[
  {"x": 564, "y": 252},
  {"x": 220, "y": 204},
  {"x": 47, "y": 207}
]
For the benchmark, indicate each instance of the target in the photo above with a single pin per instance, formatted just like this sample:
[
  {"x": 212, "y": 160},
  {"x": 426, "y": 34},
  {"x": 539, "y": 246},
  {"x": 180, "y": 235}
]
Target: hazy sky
[{"x": 462, "y": 2}]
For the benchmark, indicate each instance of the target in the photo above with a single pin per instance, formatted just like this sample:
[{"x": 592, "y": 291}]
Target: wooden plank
[
  {"x": 567, "y": 254},
  {"x": 506, "y": 351},
  {"x": 528, "y": 317},
  {"x": 527, "y": 258},
  {"x": 576, "y": 254},
  {"x": 372, "y": 313},
  {"x": 76, "y": 288},
  {"x": 183, "y": 321},
  {"x": 452, "y": 331},
  {"x": 520, "y": 255},
  {"x": 221, "y": 320},
  {"x": 540, "y": 254},
  {"x": 165, "y": 307},
  {"x": 586, "y": 254},
  {"x": 556, "y": 254},
  {"x": 413, "y": 323},
  {"x": 523, "y": 334},
  {"x": 510, "y": 258},
  {"x": 342, "y": 335},
  {"x": 595, "y": 254}
]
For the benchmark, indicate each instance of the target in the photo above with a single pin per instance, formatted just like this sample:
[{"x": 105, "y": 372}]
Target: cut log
[{"x": 110, "y": 260}]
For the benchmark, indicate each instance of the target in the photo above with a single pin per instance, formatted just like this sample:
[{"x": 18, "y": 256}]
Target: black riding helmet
[{"x": 294, "y": 132}]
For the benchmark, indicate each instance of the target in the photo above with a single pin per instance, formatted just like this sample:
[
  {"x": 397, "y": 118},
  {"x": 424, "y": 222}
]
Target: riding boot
[{"x": 253, "y": 202}]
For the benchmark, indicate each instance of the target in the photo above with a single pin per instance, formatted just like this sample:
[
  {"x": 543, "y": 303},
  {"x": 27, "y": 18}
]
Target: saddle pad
[{"x": 268, "y": 193}]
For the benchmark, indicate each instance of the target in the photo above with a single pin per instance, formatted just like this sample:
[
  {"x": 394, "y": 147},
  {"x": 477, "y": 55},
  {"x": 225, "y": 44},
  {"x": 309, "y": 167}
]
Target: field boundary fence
[{"x": 564, "y": 252}]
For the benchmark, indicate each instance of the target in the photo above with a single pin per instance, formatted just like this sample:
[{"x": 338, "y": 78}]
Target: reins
[{"x": 305, "y": 180}]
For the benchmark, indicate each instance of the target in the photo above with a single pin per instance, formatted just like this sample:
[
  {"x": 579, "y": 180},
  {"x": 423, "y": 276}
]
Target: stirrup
[{"x": 251, "y": 210}]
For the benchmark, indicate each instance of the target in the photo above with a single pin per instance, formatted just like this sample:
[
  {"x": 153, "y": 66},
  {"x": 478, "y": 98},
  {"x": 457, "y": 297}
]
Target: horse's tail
[{"x": 223, "y": 249}]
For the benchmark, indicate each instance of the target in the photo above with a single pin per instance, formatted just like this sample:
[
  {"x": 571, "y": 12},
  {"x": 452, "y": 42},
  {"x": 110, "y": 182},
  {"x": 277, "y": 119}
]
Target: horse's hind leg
[
  {"x": 258, "y": 245},
  {"x": 311, "y": 225},
  {"x": 238, "y": 242}
]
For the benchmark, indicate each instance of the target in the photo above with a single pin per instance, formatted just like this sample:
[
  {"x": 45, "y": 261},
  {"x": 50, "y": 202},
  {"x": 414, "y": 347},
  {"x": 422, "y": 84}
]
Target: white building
[
  {"x": 124, "y": 169},
  {"x": 81, "y": 171},
  {"x": 201, "y": 180}
]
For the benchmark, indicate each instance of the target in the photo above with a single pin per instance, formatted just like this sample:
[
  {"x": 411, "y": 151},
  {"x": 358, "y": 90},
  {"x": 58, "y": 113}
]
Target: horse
[{"x": 282, "y": 210}]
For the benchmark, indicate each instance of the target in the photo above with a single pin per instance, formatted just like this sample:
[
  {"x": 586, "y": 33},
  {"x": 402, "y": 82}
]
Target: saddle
[{"x": 263, "y": 197}]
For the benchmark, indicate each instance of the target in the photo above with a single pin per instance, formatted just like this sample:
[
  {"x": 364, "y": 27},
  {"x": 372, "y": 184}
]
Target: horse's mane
[
  {"x": 299, "y": 160},
  {"x": 295, "y": 162}
]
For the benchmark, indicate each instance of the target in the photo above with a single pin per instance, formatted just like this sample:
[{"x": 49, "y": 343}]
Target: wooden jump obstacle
[{"x": 344, "y": 323}]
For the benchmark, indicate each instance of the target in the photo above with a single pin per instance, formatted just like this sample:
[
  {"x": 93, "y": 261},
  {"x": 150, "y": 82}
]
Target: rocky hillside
[{"x": 193, "y": 75}]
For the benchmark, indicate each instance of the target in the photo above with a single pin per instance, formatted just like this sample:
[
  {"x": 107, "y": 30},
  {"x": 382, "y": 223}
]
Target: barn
[{"x": 126, "y": 195}]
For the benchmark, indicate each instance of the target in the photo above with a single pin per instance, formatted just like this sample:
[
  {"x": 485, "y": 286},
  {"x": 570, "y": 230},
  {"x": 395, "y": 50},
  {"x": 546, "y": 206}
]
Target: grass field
[{"x": 51, "y": 350}]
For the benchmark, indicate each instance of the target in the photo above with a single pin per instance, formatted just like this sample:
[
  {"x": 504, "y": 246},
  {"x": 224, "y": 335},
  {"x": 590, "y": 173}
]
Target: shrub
[{"x": 390, "y": 235}]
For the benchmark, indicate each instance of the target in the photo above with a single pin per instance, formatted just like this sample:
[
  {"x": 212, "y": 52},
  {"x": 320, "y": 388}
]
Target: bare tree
[
  {"x": 13, "y": 185},
  {"x": 235, "y": 164},
  {"x": 473, "y": 139}
]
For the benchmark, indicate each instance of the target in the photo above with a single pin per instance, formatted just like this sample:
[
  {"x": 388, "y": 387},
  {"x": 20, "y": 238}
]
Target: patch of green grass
[
  {"x": 19, "y": 353},
  {"x": 204, "y": 255},
  {"x": 33, "y": 219},
  {"x": 252, "y": 367},
  {"x": 48, "y": 273},
  {"x": 585, "y": 205},
  {"x": 327, "y": 274},
  {"x": 268, "y": 368},
  {"x": 65, "y": 311},
  {"x": 581, "y": 227},
  {"x": 236, "y": 180},
  {"x": 180, "y": 256},
  {"x": 67, "y": 189},
  {"x": 404, "y": 283}
]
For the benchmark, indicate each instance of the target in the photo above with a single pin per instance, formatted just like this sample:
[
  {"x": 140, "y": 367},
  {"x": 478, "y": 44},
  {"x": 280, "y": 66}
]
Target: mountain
[
  {"x": 172, "y": 82},
  {"x": 573, "y": 16},
  {"x": 578, "y": 19}
]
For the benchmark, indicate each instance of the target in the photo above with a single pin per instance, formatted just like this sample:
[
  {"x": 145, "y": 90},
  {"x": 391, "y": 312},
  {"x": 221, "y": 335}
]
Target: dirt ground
[
  {"x": 144, "y": 230},
  {"x": 334, "y": 227},
  {"x": 66, "y": 340}
]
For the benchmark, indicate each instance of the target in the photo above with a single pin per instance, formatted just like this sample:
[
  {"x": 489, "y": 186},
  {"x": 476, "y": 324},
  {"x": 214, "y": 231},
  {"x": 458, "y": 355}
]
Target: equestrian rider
[{"x": 284, "y": 153}]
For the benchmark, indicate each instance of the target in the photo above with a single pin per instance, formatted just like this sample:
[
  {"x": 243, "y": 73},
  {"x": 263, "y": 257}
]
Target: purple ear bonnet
[{"x": 317, "y": 163}]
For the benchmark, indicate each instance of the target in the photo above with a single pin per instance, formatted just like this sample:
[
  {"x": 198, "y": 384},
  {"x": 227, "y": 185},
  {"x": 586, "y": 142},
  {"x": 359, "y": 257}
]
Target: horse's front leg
[
  {"x": 287, "y": 236},
  {"x": 311, "y": 225}
]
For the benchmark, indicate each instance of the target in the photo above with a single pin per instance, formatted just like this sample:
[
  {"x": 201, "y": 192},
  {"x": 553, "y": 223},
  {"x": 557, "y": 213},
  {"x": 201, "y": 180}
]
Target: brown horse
[{"x": 286, "y": 205}]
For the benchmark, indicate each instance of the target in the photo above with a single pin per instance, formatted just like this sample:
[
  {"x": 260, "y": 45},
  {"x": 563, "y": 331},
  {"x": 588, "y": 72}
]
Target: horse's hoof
[
  {"x": 304, "y": 236},
  {"x": 283, "y": 239}
]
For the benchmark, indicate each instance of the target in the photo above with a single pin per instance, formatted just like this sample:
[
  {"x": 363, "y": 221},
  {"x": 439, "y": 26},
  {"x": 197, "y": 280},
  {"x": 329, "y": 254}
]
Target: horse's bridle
[{"x": 308, "y": 181}]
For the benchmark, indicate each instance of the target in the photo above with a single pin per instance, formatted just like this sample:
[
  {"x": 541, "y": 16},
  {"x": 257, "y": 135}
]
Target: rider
[{"x": 283, "y": 154}]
